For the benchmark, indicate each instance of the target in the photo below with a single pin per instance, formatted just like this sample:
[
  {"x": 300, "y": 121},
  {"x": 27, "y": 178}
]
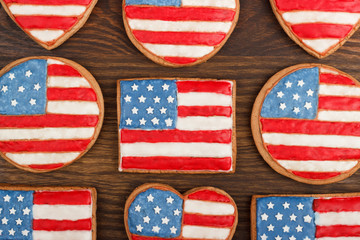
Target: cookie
[
  {"x": 319, "y": 27},
  {"x": 176, "y": 125},
  {"x": 51, "y": 112},
  {"x": 305, "y": 217},
  {"x": 47, "y": 213},
  {"x": 305, "y": 123},
  {"x": 158, "y": 211},
  {"x": 179, "y": 33},
  {"x": 49, "y": 22}
]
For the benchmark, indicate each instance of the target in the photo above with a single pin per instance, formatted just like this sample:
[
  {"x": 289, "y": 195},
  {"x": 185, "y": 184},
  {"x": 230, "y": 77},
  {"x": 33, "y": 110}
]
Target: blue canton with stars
[
  {"x": 148, "y": 104},
  {"x": 23, "y": 89},
  {"x": 16, "y": 214},
  {"x": 294, "y": 96},
  {"x": 280, "y": 218},
  {"x": 156, "y": 213}
]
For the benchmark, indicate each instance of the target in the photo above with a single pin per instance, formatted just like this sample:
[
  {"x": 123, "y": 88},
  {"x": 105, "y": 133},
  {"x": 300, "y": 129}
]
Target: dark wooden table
[{"x": 257, "y": 49}]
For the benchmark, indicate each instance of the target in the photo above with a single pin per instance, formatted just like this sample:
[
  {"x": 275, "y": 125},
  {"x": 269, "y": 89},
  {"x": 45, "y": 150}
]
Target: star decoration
[
  {"x": 142, "y": 121},
  {"x": 310, "y": 92},
  {"x": 146, "y": 219},
  {"x": 157, "y": 210},
  {"x": 296, "y": 110},
  {"x": 12, "y": 211},
  {"x": 168, "y": 122},
  {"x": 264, "y": 217},
  {"x": 134, "y": 110},
  {"x": 28, "y": 73},
  {"x": 7, "y": 198},
  {"x": 37, "y": 87},
  {"x": 296, "y": 97},
  {"x": 11, "y": 76},
  {"x": 137, "y": 208},
  {"x": 308, "y": 105},
  {"x": 150, "y": 110},
  {"x": 170, "y": 99},
  {"x": 32, "y": 101},
  {"x": 127, "y": 98},
  {"x": 173, "y": 230},
  {"x": 139, "y": 228},
  {"x": 25, "y": 232},
  {"x": 288, "y": 84},
  {"x": 21, "y": 89},
  {"x": 4, "y": 221},
  {"x": 165, "y": 87},
  {"x": 18, "y": 221},
  {"x": 150, "y": 87},
  {"x": 155, "y": 121},
  {"x": 176, "y": 212},
  {"x": 128, "y": 121},
  {"x": 14, "y": 102},
  {"x": 278, "y": 237},
  {"x": 300, "y": 206},
  {"x": 301, "y": 83},
  {"x": 4, "y": 88},
  {"x": 11, "y": 232},
  {"x": 163, "y": 110},
  {"x": 280, "y": 94},
  {"x": 286, "y": 205},
  {"x": 169, "y": 200},
  {"x": 282, "y": 106},
  {"x": 270, "y": 205},
  {"x": 307, "y": 219},
  {"x": 307, "y": 238},
  {"x": 264, "y": 237},
  {"x": 165, "y": 220},
  {"x": 135, "y": 87},
  {"x": 292, "y": 238},
  {"x": 157, "y": 99},
  {"x": 293, "y": 217},
  {"x": 142, "y": 99},
  {"x": 26, "y": 211},
  {"x": 270, "y": 227},
  {"x": 150, "y": 198},
  {"x": 299, "y": 228},
  {"x": 278, "y": 216},
  {"x": 156, "y": 229},
  {"x": 286, "y": 228}
]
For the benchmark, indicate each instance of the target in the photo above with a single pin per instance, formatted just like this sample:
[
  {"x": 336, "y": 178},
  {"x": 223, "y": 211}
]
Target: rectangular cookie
[
  {"x": 45, "y": 213},
  {"x": 319, "y": 216},
  {"x": 176, "y": 125}
]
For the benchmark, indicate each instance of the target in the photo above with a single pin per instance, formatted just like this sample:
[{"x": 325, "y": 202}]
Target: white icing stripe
[
  {"x": 326, "y": 70},
  {"x": 181, "y": 26},
  {"x": 176, "y": 149},
  {"x": 67, "y": 82},
  {"x": 333, "y": 141},
  {"x": 210, "y": 3},
  {"x": 339, "y": 116},
  {"x": 62, "y": 212},
  {"x": 203, "y": 99},
  {"x": 72, "y": 107},
  {"x": 208, "y": 208},
  {"x": 205, "y": 232},
  {"x": 204, "y": 123},
  {"x": 337, "y": 218},
  {"x": 46, "y": 10},
  {"x": 53, "y": 61},
  {"x": 338, "y": 90},
  {"x": 61, "y": 235},
  {"x": 297, "y": 17},
  {"x": 42, "y": 158},
  {"x": 318, "y": 166},
  {"x": 167, "y": 50},
  {"x": 46, "y": 35},
  {"x": 321, "y": 44},
  {"x": 46, "y": 133}
]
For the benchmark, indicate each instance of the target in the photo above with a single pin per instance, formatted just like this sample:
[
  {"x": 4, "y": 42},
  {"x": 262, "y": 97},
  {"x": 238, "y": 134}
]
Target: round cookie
[
  {"x": 305, "y": 123},
  {"x": 51, "y": 112},
  {"x": 179, "y": 33}
]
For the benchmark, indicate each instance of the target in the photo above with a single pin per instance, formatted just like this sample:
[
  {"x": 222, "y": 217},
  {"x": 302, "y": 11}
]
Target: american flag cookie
[
  {"x": 51, "y": 113},
  {"x": 157, "y": 211},
  {"x": 49, "y": 22},
  {"x": 306, "y": 123},
  {"x": 320, "y": 27},
  {"x": 45, "y": 213},
  {"x": 177, "y": 125},
  {"x": 305, "y": 217},
  {"x": 178, "y": 33}
]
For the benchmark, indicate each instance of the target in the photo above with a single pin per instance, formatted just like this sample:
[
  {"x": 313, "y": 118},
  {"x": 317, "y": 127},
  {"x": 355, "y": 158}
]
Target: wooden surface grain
[{"x": 257, "y": 49}]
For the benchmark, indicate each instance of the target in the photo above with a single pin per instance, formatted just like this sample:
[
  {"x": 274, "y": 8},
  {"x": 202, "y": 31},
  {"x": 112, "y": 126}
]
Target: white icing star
[
  {"x": 173, "y": 230},
  {"x": 150, "y": 87},
  {"x": 168, "y": 122},
  {"x": 11, "y": 232},
  {"x": 7, "y": 198},
  {"x": 157, "y": 99},
  {"x": 25, "y": 232},
  {"x": 308, "y": 105},
  {"x": 296, "y": 97},
  {"x": 28, "y": 73},
  {"x": 142, "y": 121},
  {"x": 150, "y": 198},
  {"x": 165, "y": 87},
  {"x": 135, "y": 87},
  {"x": 301, "y": 83},
  {"x": 286, "y": 228},
  {"x": 18, "y": 221},
  {"x": 37, "y": 87},
  {"x": 307, "y": 238},
  {"x": 142, "y": 99},
  {"x": 296, "y": 110},
  {"x": 270, "y": 205},
  {"x": 310, "y": 92},
  {"x": 278, "y": 216},
  {"x": 307, "y": 219},
  {"x": 127, "y": 98},
  {"x": 11, "y": 76},
  {"x": 163, "y": 110},
  {"x": 157, "y": 210},
  {"x": 169, "y": 200},
  {"x": 137, "y": 208},
  {"x": 288, "y": 84},
  {"x": 21, "y": 89},
  {"x": 4, "y": 221},
  {"x": 134, "y": 110},
  {"x": 264, "y": 217},
  {"x": 177, "y": 212},
  {"x": 26, "y": 211},
  {"x": 12, "y": 211},
  {"x": 146, "y": 219},
  {"x": 155, "y": 121},
  {"x": 263, "y": 237},
  {"x": 139, "y": 228},
  {"x": 128, "y": 121},
  {"x": 150, "y": 110},
  {"x": 165, "y": 220},
  {"x": 14, "y": 102},
  {"x": 286, "y": 205},
  {"x": 4, "y": 88},
  {"x": 278, "y": 237},
  {"x": 292, "y": 238},
  {"x": 32, "y": 101},
  {"x": 293, "y": 217},
  {"x": 299, "y": 228},
  {"x": 270, "y": 228},
  {"x": 280, "y": 94},
  {"x": 156, "y": 229},
  {"x": 300, "y": 206},
  {"x": 170, "y": 99},
  {"x": 282, "y": 106}
]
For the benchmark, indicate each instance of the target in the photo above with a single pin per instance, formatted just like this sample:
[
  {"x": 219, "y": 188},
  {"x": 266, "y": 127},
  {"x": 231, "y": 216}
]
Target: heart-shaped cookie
[
  {"x": 320, "y": 27},
  {"x": 159, "y": 211},
  {"x": 306, "y": 123},
  {"x": 51, "y": 112},
  {"x": 179, "y": 33},
  {"x": 49, "y": 22}
]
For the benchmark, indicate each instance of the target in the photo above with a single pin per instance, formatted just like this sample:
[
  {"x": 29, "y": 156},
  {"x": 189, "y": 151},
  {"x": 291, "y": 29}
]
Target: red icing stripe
[
  {"x": 51, "y": 2},
  {"x": 310, "y": 127},
  {"x": 321, "y": 30},
  {"x": 339, "y": 103},
  {"x": 85, "y": 94},
  {"x": 322, "y": 5},
  {"x": 337, "y": 231},
  {"x": 75, "y": 197},
  {"x": 208, "y": 195},
  {"x": 210, "y": 221},
  {"x": 180, "y": 60},
  {"x": 183, "y": 38},
  {"x": 184, "y": 111},
  {"x": 316, "y": 175},
  {"x": 61, "y": 225},
  {"x": 312, "y": 153},
  {"x": 177, "y": 163},
  {"x": 221, "y": 87},
  {"x": 50, "y": 120},
  {"x": 44, "y": 146},
  {"x": 42, "y": 22},
  {"x": 45, "y": 166},
  {"x": 335, "y": 79},
  {"x": 132, "y": 136},
  {"x": 62, "y": 70},
  {"x": 337, "y": 204},
  {"x": 179, "y": 14}
]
